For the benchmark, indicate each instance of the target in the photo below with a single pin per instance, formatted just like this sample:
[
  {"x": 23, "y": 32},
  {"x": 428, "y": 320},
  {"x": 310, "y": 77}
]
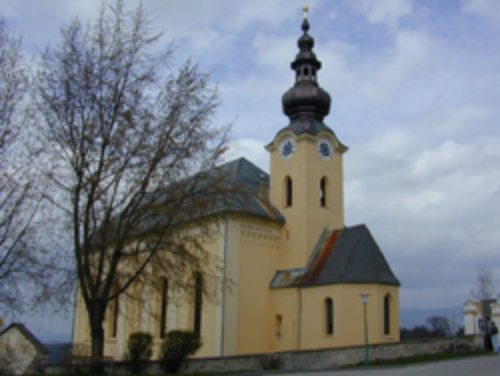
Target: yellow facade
[
  {"x": 278, "y": 287},
  {"x": 305, "y": 218},
  {"x": 249, "y": 317}
]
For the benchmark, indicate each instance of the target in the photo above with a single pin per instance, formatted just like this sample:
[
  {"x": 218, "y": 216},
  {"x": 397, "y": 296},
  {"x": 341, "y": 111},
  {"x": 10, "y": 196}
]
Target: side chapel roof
[{"x": 345, "y": 256}]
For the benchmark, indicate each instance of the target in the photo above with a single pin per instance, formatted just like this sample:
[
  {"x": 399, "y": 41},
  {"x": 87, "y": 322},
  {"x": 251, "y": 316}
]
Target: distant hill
[
  {"x": 48, "y": 337},
  {"x": 411, "y": 317},
  {"x": 58, "y": 352}
]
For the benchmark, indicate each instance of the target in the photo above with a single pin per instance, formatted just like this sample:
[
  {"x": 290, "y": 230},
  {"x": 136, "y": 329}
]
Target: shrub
[
  {"x": 139, "y": 351},
  {"x": 178, "y": 345}
]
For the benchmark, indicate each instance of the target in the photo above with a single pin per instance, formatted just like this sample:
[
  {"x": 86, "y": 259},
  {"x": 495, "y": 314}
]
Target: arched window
[
  {"x": 387, "y": 314},
  {"x": 278, "y": 321},
  {"x": 322, "y": 191},
  {"x": 288, "y": 191},
  {"x": 198, "y": 295},
  {"x": 163, "y": 306},
  {"x": 329, "y": 316}
]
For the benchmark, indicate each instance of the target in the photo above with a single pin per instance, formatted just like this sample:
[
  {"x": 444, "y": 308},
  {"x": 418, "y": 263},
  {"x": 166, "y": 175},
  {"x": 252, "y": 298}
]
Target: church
[{"x": 293, "y": 276}]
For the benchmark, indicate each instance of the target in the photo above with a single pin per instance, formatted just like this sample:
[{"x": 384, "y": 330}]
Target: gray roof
[
  {"x": 354, "y": 257},
  {"x": 287, "y": 278},
  {"x": 234, "y": 187},
  {"x": 29, "y": 336},
  {"x": 253, "y": 184},
  {"x": 346, "y": 256}
]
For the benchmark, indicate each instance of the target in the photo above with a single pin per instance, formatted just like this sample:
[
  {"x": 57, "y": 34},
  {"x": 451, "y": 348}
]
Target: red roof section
[{"x": 317, "y": 265}]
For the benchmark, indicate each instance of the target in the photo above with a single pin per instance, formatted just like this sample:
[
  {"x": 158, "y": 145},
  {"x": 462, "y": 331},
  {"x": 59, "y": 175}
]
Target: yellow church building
[{"x": 292, "y": 275}]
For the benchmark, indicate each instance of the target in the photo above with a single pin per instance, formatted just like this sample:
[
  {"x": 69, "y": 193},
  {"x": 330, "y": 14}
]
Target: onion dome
[{"x": 306, "y": 100}]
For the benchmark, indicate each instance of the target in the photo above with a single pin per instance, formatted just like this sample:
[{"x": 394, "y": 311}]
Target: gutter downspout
[
  {"x": 223, "y": 289},
  {"x": 299, "y": 318}
]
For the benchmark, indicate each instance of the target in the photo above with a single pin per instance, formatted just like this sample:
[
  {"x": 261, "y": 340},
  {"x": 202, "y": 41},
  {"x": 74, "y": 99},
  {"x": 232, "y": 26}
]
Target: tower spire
[
  {"x": 305, "y": 9},
  {"x": 306, "y": 103}
]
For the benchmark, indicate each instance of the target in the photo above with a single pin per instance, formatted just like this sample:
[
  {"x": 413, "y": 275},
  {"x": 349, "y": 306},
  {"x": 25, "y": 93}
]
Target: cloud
[
  {"x": 261, "y": 115},
  {"x": 415, "y": 96},
  {"x": 449, "y": 157},
  {"x": 387, "y": 12},
  {"x": 273, "y": 52},
  {"x": 410, "y": 57},
  {"x": 431, "y": 207},
  {"x": 483, "y": 8},
  {"x": 395, "y": 142},
  {"x": 251, "y": 149},
  {"x": 472, "y": 119}
]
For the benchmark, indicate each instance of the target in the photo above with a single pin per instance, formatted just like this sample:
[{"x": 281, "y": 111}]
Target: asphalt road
[{"x": 480, "y": 366}]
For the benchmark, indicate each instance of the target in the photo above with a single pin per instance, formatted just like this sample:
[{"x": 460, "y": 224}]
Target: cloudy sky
[{"x": 416, "y": 97}]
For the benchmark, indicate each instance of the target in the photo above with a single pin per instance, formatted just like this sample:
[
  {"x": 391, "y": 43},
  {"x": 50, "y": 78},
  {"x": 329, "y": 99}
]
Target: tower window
[
  {"x": 306, "y": 72},
  {"x": 329, "y": 316},
  {"x": 288, "y": 191},
  {"x": 387, "y": 314},
  {"x": 322, "y": 191},
  {"x": 198, "y": 296},
  {"x": 163, "y": 307}
]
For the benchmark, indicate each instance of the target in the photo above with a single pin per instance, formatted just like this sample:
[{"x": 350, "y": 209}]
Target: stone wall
[
  {"x": 327, "y": 358},
  {"x": 310, "y": 359}
]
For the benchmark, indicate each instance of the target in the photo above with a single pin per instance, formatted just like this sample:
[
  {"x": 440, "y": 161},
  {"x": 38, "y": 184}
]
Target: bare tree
[
  {"x": 131, "y": 143},
  {"x": 485, "y": 285},
  {"x": 439, "y": 326},
  {"x": 20, "y": 257}
]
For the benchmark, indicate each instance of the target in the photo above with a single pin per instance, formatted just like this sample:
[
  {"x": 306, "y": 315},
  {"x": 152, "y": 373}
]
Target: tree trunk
[{"x": 97, "y": 339}]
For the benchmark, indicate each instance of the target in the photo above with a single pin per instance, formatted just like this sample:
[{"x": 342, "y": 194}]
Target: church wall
[
  {"x": 81, "y": 329},
  {"x": 180, "y": 308},
  {"x": 285, "y": 314},
  {"x": 259, "y": 244},
  {"x": 348, "y": 319},
  {"x": 228, "y": 308},
  {"x": 256, "y": 318},
  {"x": 140, "y": 312}
]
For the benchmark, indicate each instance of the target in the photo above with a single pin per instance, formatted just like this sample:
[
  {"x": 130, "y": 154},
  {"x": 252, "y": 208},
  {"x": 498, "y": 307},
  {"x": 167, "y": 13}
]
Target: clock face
[
  {"x": 287, "y": 148},
  {"x": 325, "y": 148}
]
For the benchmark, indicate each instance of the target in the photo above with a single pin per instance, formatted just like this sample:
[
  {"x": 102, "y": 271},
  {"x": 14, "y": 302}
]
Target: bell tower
[{"x": 306, "y": 160}]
